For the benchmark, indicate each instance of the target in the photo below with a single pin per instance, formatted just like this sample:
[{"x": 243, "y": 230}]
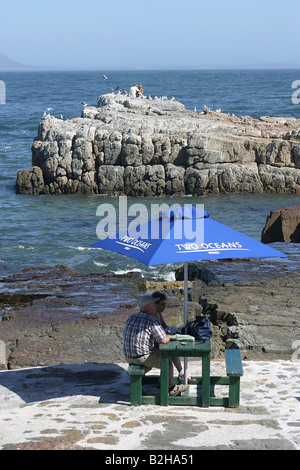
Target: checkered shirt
[{"x": 141, "y": 329}]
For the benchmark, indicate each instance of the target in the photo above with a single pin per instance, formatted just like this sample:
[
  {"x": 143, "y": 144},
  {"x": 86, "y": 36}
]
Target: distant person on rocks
[
  {"x": 141, "y": 91},
  {"x": 141, "y": 330},
  {"x": 134, "y": 91},
  {"x": 160, "y": 307}
]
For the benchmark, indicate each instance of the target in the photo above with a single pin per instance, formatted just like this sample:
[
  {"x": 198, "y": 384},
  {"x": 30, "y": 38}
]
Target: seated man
[
  {"x": 141, "y": 329},
  {"x": 134, "y": 91}
]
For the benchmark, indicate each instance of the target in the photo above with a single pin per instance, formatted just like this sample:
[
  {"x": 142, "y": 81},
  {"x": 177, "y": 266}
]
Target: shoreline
[{"x": 55, "y": 315}]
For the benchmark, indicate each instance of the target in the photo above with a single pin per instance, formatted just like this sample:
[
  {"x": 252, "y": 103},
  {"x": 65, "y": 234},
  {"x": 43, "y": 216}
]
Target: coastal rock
[
  {"x": 282, "y": 225},
  {"x": 111, "y": 179},
  {"x": 52, "y": 315},
  {"x": 223, "y": 178},
  {"x": 253, "y": 304},
  {"x": 149, "y": 147},
  {"x": 30, "y": 181}
]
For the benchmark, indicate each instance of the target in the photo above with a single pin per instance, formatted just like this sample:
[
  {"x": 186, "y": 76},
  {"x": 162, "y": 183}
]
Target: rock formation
[
  {"x": 282, "y": 225},
  {"x": 149, "y": 147},
  {"x": 57, "y": 316}
]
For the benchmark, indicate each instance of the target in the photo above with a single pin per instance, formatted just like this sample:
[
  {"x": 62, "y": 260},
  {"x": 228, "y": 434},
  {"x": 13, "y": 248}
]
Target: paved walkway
[{"x": 87, "y": 407}]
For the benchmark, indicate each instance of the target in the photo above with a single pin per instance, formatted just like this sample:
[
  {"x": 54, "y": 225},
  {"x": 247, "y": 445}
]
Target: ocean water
[{"x": 51, "y": 230}]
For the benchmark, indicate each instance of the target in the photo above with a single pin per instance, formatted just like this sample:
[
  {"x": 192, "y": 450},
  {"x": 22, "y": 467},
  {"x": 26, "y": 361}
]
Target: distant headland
[{"x": 7, "y": 64}]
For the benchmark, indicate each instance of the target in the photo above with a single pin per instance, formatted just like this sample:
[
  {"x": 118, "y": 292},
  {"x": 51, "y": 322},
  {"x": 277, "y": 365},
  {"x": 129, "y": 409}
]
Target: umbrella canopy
[{"x": 184, "y": 234}]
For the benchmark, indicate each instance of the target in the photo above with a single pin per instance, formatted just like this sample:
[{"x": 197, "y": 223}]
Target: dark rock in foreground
[{"x": 54, "y": 316}]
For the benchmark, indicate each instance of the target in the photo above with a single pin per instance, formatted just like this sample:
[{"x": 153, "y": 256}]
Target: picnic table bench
[{"x": 234, "y": 370}]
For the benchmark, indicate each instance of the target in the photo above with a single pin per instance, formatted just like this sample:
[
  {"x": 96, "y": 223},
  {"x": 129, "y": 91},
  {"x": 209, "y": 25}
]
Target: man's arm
[{"x": 166, "y": 339}]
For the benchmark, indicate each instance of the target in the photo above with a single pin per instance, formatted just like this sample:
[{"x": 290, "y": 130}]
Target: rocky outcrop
[
  {"x": 282, "y": 225},
  {"x": 53, "y": 315},
  {"x": 30, "y": 181},
  {"x": 57, "y": 316},
  {"x": 253, "y": 304},
  {"x": 149, "y": 147}
]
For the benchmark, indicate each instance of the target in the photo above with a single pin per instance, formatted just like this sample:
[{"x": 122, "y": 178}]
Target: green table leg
[
  {"x": 164, "y": 379},
  {"x": 205, "y": 379},
  {"x": 136, "y": 389},
  {"x": 234, "y": 392}
]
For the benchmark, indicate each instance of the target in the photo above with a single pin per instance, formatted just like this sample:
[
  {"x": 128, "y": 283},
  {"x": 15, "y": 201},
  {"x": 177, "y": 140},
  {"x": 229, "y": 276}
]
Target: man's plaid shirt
[{"x": 141, "y": 329}]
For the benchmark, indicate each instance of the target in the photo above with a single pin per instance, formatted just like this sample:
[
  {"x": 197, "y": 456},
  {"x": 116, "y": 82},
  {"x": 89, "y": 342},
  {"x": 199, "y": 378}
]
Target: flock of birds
[
  {"x": 205, "y": 108},
  {"x": 123, "y": 92}
]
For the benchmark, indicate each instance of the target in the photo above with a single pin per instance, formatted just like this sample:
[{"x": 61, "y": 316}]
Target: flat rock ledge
[
  {"x": 52, "y": 315},
  {"x": 150, "y": 147}
]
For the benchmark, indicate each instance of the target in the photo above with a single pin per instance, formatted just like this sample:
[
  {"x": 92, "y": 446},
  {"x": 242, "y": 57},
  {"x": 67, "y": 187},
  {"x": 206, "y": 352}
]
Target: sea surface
[{"x": 50, "y": 230}]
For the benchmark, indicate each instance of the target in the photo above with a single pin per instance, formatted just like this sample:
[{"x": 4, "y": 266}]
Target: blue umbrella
[
  {"x": 182, "y": 234},
  {"x": 185, "y": 234}
]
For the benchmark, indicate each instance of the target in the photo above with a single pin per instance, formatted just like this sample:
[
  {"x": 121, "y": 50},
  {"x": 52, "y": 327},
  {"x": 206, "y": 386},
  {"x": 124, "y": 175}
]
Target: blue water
[{"x": 50, "y": 230}]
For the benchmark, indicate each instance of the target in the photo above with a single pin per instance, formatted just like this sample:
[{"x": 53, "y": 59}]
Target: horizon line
[{"x": 141, "y": 69}]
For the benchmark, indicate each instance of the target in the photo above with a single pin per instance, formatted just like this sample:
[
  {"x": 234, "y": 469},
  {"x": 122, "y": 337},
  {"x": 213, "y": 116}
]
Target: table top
[{"x": 184, "y": 346}]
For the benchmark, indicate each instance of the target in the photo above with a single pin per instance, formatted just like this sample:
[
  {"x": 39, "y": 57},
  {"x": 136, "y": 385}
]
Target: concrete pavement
[{"x": 87, "y": 407}]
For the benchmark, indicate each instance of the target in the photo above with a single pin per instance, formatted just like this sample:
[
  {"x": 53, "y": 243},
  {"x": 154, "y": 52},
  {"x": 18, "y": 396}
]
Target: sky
[{"x": 151, "y": 34}]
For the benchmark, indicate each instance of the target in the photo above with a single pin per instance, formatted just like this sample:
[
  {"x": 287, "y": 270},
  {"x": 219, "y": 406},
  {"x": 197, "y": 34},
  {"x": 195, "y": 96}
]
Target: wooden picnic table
[
  {"x": 185, "y": 349},
  {"x": 205, "y": 398}
]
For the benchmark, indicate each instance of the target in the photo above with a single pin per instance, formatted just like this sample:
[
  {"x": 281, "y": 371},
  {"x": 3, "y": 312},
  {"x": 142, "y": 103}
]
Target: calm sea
[{"x": 50, "y": 230}]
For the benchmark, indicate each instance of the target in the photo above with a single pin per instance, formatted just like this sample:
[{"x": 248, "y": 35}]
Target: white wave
[
  {"x": 99, "y": 264},
  {"x": 83, "y": 248},
  {"x": 159, "y": 275},
  {"x": 170, "y": 277},
  {"x": 21, "y": 247},
  {"x": 126, "y": 271}
]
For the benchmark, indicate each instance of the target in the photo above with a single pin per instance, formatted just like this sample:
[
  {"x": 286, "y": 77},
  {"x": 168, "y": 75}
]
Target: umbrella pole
[{"x": 185, "y": 277}]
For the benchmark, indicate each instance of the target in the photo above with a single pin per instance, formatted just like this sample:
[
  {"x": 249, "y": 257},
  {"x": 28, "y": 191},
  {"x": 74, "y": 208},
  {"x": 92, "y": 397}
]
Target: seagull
[
  {"x": 206, "y": 109},
  {"x": 84, "y": 104},
  {"x": 104, "y": 77},
  {"x": 6, "y": 148},
  {"x": 113, "y": 90}
]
